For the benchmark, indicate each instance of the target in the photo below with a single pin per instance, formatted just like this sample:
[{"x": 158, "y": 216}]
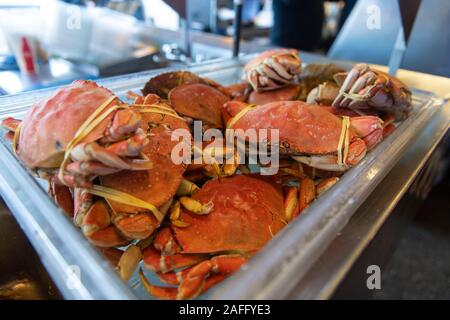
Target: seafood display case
[{"x": 80, "y": 272}]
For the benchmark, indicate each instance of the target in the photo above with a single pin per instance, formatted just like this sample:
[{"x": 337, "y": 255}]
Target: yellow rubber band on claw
[
  {"x": 239, "y": 115},
  {"x": 158, "y": 111},
  {"x": 346, "y": 140},
  {"x": 126, "y": 199},
  {"x": 343, "y": 144},
  {"x": 156, "y": 108}
]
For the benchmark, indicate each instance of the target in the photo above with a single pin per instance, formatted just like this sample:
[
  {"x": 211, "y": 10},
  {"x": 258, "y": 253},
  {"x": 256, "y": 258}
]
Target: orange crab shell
[
  {"x": 248, "y": 211},
  {"x": 52, "y": 123},
  {"x": 199, "y": 101},
  {"x": 303, "y": 129}
]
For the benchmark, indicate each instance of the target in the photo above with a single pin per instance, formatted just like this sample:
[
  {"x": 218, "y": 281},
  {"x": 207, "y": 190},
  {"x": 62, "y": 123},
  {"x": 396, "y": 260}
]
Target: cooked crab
[
  {"x": 80, "y": 132},
  {"x": 191, "y": 96},
  {"x": 197, "y": 250}
]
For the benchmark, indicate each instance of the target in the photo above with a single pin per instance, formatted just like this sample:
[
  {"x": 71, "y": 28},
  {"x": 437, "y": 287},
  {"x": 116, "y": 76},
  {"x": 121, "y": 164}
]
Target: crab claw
[
  {"x": 168, "y": 293},
  {"x": 98, "y": 229},
  {"x": 62, "y": 196},
  {"x": 153, "y": 260},
  {"x": 136, "y": 226},
  {"x": 366, "y": 88},
  {"x": 368, "y": 128},
  {"x": 124, "y": 123},
  {"x": 128, "y": 262},
  {"x": 272, "y": 69},
  {"x": 325, "y": 184},
  {"x": 291, "y": 203},
  {"x": 107, "y": 156},
  {"x": 194, "y": 281}
]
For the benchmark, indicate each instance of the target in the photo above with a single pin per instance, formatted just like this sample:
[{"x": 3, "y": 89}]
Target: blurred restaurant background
[{"x": 92, "y": 39}]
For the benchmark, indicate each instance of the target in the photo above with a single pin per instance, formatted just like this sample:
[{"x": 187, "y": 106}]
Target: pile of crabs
[{"x": 109, "y": 167}]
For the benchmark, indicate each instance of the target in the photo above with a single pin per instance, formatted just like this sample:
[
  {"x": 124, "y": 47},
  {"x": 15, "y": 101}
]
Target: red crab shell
[
  {"x": 247, "y": 212},
  {"x": 105, "y": 227},
  {"x": 200, "y": 102},
  {"x": 50, "y": 124},
  {"x": 162, "y": 84},
  {"x": 303, "y": 129}
]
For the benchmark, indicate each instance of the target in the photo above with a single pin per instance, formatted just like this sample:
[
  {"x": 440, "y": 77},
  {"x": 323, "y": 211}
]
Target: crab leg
[
  {"x": 62, "y": 196},
  {"x": 272, "y": 73},
  {"x": 297, "y": 199},
  {"x": 368, "y": 128},
  {"x": 98, "y": 229},
  {"x": 10, "y": 123},
  {"x": 165, "y": 242},
  {"x": 82, "y": 202},
  {"x": 349, "y": 82},
  {"x": 280, "y": 69},
  {"x": 357, "y": 151},
  {"x": 387, "y": 130},
  {"x": 168, "y": 293},
  {"x": 307, "y": 193},
  {"x": 194, "y": 282},
  {"x": 93, "y": 151},
  {"x": 291, "y": 203},
  {"x": 154, "y": 261},
  {"x": 174, "y": 277},
  {"x": 325, "y": 184},
  {"x": 197, "y": 279}
]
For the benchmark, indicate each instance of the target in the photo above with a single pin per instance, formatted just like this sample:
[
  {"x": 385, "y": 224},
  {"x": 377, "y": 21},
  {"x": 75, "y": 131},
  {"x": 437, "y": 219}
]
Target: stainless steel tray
[{"x": 270, "y": 274}]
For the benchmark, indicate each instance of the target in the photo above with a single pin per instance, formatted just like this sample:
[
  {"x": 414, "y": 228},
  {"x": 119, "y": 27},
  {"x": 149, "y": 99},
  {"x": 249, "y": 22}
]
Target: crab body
[
  {"x": 246, "y": 213},
  {"x": 309, "y": 134},
  {"x": 191, "y": 96},
  {"x": 156, "y": 186}
]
